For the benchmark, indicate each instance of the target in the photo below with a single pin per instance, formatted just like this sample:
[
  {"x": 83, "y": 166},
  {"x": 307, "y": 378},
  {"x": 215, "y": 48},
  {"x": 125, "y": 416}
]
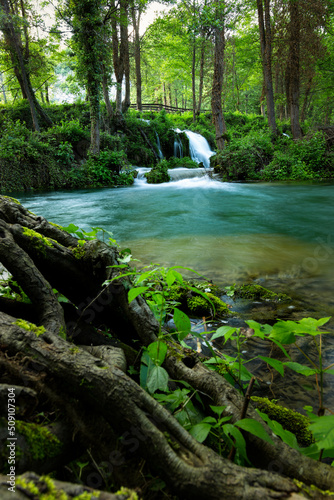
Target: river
[{"x": 279, "y": 235}]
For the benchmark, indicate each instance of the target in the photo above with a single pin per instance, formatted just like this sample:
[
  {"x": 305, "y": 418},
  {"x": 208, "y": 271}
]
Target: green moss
[
  {"x": 30, "y": 327},
  {"x": 42, "y": 443},
  {"x": 38, "y": 240},
  {"x": 28, "y": 486},
  {"x": 55, "y": 225},
  {"x": 50, "y": 491},
  {"x": 312, "y": 490},
  {"x": 201, "y": 307},
  {"x": 258, "y": 292},
  {"x": 131, "y": 495},
  {"x": 195, "y": 303},
  {"x": 12, "y": 199},
  {"x": 289, "y": 419},
  {"x": 79, "y": 251}
]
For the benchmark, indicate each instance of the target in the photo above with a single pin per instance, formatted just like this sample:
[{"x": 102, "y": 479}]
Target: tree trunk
[
  {"x": 136, "y": 24},
  {"x": 193, "y": 79},
  {"x": 3, "y": 89},
  {"x": 294, "y": 68},
  {"x": 126, "y": 57},
  {"x": 201, "y": 76},
  {"x": 218, "y": 76},
  {"x": 16, "y": 55},
  {"x": 265, "y": 41},
  {"x": 90, "y": 383}
]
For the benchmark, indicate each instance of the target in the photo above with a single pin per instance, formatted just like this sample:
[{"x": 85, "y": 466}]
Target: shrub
[
  {"x": 158, "y": 173},
  {"x": 102, "y": 169}
]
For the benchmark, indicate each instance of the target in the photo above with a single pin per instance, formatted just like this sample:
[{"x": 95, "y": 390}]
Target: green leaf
[
  {"x": 157, "y": 379},
  {"x": 286, "y": 436},
  {"x": 304, "y": 370},
  {"x": 259, "y": 330},
  {"x": 223, "y": 331},
  {"x": 240, "y": 442},
  {"x": 254, "y": 427},
  {"x": 275, "y": 363},
  {"x": 331, "y": 372},
  {"x": 323, "y": 431},
  {"x": 218, "y": 409},
  {"x": 283, "y": 332},
  {"x": 134, "y": 292},
  {"x": 157, "y": 352},
  {"x": 170, "y": 277},
  {"x": 200, "y": 431},
  {"x": 182, "y": 323}
]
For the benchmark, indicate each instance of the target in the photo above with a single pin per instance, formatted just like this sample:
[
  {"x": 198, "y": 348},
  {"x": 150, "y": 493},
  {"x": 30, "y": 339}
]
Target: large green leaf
[
  {"x": 182, "y": 323},
  {"x": 240, "y": 442},
  {"x": 223, "y": 331},
  {"x": 157, "y": 352},
  {"x": 134, "y": 292},
  {"x": 254, "y": 427},
  {"x": 157, "y": 379},
  {"x": 304, "y": 370},
  {"x": 284, "y": 332},
  {"x": 259, "y": 330},
  {"x": 200, "y": 431},
  {"x": 323, "y": 431},
  {"x": 275, "y": 363},
  {"x": 286, "y": 436}
]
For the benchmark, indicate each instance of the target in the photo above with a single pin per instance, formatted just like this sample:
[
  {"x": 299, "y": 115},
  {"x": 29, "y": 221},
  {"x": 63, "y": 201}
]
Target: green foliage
[
  {"x": 184, "y": 162},
  {"x": 26, "y": 161},
  {"x": 244, "y": 158},
  {"x": 104, "y": 169},
  {"x": 289, "y": 419},
  {"x": 158, "y": 173},
  {"x": 70, "y": 131}
]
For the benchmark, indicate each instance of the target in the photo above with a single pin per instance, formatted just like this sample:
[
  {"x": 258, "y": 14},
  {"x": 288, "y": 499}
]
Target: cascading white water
[
  {"x": 159, "y": 146},
  {"x": 199, "y": 148},
  {"x": 178, "y": 148}
]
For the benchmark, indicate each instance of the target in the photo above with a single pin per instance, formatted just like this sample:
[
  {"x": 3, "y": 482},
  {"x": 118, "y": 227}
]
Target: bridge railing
[{"x": 159, "y": 107}]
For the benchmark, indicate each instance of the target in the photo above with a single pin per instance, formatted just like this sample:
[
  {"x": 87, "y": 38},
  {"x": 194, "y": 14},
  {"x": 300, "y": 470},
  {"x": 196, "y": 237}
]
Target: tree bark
[
  {"x": 16, "y": 55},
  {"x": 294, "y": 68},
  {"x": 136, "y": 23},
  {"x": 266, "y": 50},
  {"x": 218, "y": 77}
]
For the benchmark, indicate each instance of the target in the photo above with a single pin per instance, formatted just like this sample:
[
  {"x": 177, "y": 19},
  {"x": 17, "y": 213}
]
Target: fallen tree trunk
[{"x": 91, "y": 387}]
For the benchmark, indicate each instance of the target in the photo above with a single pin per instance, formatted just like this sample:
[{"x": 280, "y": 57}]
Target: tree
[
  {"x": 53, "y": 351},
  {"x": 265, "y": 40},
  {"x": 218, "y": 75},
  {"x": 20, "y": 58},
  {"x": 88, "y": 39}
]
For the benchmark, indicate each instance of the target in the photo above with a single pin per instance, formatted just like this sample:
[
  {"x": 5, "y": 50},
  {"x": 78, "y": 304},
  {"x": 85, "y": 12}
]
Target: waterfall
[
  {"x": 178, "y": 148},
  {"x": 199, "y": 148},
  {"x": 159, "y": 146}
]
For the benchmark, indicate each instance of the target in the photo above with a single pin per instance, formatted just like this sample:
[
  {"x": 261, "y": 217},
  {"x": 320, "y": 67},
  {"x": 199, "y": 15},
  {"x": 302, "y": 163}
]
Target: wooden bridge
[{"x": 168, "y": 109}]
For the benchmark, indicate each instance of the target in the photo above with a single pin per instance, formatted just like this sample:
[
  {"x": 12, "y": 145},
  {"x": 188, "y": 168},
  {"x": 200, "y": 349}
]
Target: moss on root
[
  {"x": 289, "y": 419},
  {"x": 195, "y": 304},
  {"x": 258, "y": 292},
  {"x": 30, "y": 327},
  {"x": 42, "y": 443},
  {"x": 47, "y": 490}
]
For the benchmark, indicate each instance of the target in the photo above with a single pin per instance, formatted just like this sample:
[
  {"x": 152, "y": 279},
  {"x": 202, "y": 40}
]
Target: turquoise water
[
  {"x": 221, "y": 229},
  {"x": 278, "y": 235}
]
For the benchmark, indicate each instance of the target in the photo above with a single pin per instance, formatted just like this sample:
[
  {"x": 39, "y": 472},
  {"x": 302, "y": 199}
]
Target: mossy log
[{"x": 93, "y": 384}]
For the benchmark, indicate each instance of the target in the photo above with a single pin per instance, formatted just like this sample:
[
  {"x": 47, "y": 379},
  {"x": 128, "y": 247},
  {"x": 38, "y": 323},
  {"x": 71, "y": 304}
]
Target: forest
[{"x": 208, "y": 376}]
